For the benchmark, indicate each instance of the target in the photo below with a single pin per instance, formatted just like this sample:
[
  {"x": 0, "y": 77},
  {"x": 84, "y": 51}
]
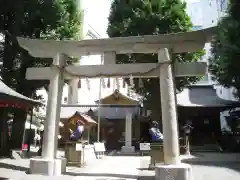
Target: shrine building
[{"x": 113, "y": 110}]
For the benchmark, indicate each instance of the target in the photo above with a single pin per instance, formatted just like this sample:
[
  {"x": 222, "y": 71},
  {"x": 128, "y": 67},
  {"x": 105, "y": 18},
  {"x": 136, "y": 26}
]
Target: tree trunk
[
  {"x": 18, "y": 128},
  {"x": 20, "y": 115},
  {"x": 4, "y": 136}
]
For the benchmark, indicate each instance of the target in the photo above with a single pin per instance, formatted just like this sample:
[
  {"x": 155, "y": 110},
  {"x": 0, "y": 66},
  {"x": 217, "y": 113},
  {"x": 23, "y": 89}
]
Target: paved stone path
[
  {"x": 216, "y": 173},
  {"x": 206, "y": 166},
  {"x": 215, "y": 166}
]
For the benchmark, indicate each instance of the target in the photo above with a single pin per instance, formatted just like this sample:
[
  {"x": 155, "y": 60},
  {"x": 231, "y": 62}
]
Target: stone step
[{"x": 206, "y": 148}]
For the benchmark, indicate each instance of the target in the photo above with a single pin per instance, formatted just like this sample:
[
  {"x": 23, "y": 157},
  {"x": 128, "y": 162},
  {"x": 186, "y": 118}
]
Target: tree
[
  {"x": 11, "y": 16},
  {"x": 225, "y": 49},
  {"x": 57, "y": 19},
  {"x": 145, "y": 17}
]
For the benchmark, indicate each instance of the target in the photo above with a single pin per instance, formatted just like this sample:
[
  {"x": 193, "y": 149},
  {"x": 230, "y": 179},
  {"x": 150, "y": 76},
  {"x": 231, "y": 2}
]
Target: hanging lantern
[{"x": 108, "y": 83}]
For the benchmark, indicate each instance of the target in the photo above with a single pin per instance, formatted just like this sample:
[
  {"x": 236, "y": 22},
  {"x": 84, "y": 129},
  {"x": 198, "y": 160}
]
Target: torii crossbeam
[{"x": 60, "y": 50}]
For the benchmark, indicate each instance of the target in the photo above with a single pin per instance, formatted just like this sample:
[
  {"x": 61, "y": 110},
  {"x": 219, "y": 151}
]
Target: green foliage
[
  {"x": 42, "y": 19},
  {"x": 225, "y": 49},
  {"x": 151, "y": 17},
  {"x": 57, "y": 19}
]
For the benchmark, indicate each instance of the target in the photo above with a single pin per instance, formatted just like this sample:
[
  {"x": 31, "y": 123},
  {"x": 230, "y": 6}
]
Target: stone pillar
[
  {"x": 58, "y": 110},
  {"x": 173, "y": 169},
  {"x": 169, "y": 114},
  {"x": 48, "y": 164},
  {"x": 128, "y": 148},
  {"x": 128, "y": 130}
]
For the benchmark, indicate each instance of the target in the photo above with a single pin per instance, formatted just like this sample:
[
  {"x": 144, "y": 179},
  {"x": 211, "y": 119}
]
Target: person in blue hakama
[
  {"x": 77, "y": 134},
  {"x": 155, "y": 133}
]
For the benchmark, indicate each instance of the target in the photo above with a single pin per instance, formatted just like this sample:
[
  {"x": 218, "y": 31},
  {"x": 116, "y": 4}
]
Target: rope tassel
[
  {"x": 79, "y": 84},
  {"x": 108, "y": 83}
]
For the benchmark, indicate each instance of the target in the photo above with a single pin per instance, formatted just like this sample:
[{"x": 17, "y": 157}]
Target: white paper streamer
[
  {"x": 88, "y": 84},
  {"x": 131, "y": 81},
  {"x": 124, "y": 83},
  {"x": 117, "y": 83},
  {"x": 114, "y": 84},
  {"x": 140, "y": 83},
  {"x": 103, "y": 83}
]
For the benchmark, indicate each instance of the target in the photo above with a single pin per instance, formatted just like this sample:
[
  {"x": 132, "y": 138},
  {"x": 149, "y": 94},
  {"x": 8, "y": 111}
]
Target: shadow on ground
[
  {"x": 13, "y": 167},
  {"x": 124, "y": 176},
  {"x": 232, "y": 162},
  {"x": 113, "y": 175}
]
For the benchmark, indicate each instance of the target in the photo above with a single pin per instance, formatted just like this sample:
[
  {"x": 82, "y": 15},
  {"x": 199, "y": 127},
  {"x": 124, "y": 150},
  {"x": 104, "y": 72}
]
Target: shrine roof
[
  {"x": 79, "y": 116},
  {"x": 118, "y": 98},
  {"x": 108, "y": 111},
  {"x": 203, "y": 96},
  {"x": 178, "y": 42},
  {"x": 8, "y": 94}
]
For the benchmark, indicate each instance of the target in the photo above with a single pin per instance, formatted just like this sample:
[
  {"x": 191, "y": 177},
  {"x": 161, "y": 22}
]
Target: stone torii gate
[{"x": 60, "y": 51}]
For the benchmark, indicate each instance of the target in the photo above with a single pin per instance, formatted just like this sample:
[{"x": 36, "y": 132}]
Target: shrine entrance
[
  {"x": 113, "y": 133},
  {"x": 165, "y": 70},
  {"x": 114, "y": 109}
]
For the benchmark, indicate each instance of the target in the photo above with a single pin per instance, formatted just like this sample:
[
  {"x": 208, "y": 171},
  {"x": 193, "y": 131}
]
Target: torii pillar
[
  {"x": 49, "y": 163},
  {"x": 172, "y": 168}
]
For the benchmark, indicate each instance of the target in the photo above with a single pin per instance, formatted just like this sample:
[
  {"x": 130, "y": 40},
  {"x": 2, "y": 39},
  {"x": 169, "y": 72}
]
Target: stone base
[
  {"x": 50, "y": 167},
  {"x": 188, "y": 153},
  {"x": 176, "y": 172},
  {"x": 128, "y": 149}
]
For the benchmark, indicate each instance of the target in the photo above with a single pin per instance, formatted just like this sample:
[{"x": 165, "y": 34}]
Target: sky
[
  {"x": 193, "y": 0},
  {"x": 98, "y": 17}
]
